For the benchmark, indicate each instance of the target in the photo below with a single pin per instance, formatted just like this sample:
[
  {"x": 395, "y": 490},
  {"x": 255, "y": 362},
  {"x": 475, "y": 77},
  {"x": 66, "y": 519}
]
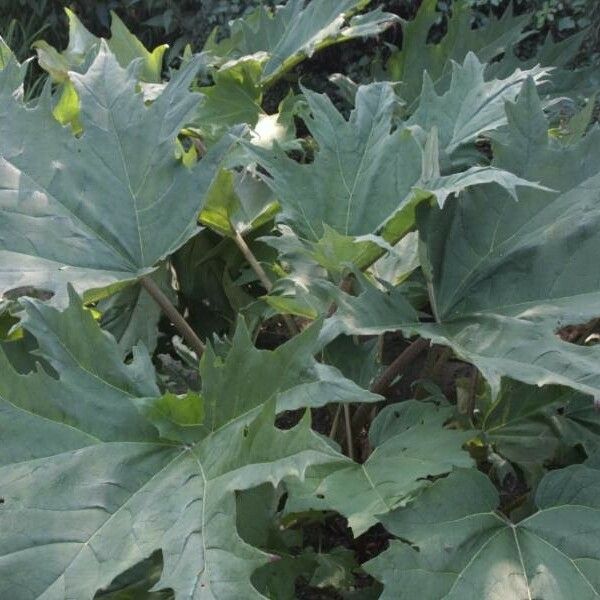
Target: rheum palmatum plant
[{"x": 186, "y": 280}]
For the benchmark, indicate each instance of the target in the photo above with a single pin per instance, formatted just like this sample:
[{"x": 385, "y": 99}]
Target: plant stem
[
  {"x": 384, "y": 381},
  {"x": 253, "y": 262},
  {"x": 349, "y": 440},
  {"x": 473, "y": 382},
  {"x": 262, "y": 276},
  {"x": 169, "y": 309},
  {"x": 336, "y": 420}
]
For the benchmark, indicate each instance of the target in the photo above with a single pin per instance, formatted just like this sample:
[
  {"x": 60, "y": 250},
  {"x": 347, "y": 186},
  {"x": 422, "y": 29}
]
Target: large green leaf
[
  {"x": 366, "y": 173},
  {"x": 528, "y": 259},
  {"x": 81, "y": 50},
  {"x": 88, "y": 488},
  {"x": 518, "y": 348},
  {"x": 503, "y": 277},
  {"x": 410, "y": 445},
  {"x": 461, "y": 547},
  {"x": 106, "y": 207},
  {"x": 495, "y": 42},
  {"x": 561, "y": 56},
  {"x": 282, "y": 38},
  {"x": 264, "y": 45},
  {"x": 289, "y": 374},
  {"x": 501, "y": 285}
]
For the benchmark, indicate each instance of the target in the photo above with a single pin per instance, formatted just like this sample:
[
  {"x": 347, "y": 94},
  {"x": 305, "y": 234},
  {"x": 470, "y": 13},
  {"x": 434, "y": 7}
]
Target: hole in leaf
[
  {"x": 320, "y": 496},
  {"x": 28, "y": 290},
  {"x": 282, "y": 501},
  {"x": 582, "y": 334}
]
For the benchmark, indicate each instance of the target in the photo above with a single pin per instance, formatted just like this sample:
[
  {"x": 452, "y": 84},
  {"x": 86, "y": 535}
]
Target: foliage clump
[{"x": 323, "y": 347}]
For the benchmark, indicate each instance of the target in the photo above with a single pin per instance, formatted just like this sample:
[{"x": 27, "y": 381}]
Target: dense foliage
[{"x": 258, "y": 343}]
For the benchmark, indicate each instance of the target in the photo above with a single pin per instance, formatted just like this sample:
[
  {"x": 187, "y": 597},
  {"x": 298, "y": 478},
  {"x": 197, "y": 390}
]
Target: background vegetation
[
  {"x": 179, "y": 22},
  {"x": 397, "y": 221}
]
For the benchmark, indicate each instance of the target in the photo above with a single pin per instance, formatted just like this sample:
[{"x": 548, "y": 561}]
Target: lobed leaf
[
  {"x": 367, "y": 176},
  {"x": 503, "y": 277},
  {"x": 410, "y": 446},
  {"x": 107, "y": 206},
  {"x": 283, "y": 38},
  {"x": 89, "y": 490},
  {"x": 460, "y": 546}
]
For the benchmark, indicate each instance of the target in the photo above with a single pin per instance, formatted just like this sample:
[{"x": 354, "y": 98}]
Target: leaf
[
  {"x": 80, "y": 47},
  {"x": 502, "y": 285},
  {"x": 359, "y": 361},
  {"x": 202, "y": 267},
  {"x": 260, "y": 525},
  {"x": 297, "y": 295},
  {"x": 127, "y": 48},
  {"x": 529, "y": 425},
  {"x": 471, "y": 106},
  {"x": 258, "y": 520},
  {"x": 135, "y": 583},
  {"x": 461, "y": 547},
  {"x": 579, "y": 124},
  {"x": 235, "y": 97},
  {"x": 86, "y": 359},
  {"x": 283, "y": 38},
  {"x": 6, "y": 54},
  {"x": 366, "y": 175},
  {"x": 394, "y": 267},
  {"x": 579, "y": 424},
  {"x": 334, "y": 569},
  {"x": 409, "y": 448},
  {"x": 132, "y": 316},
  {"x": 88, "y": 489},
  {"x": 238, "y": 203},
  {"x": 289, "y": 373},
  {"x": 499, "y": 346},
  {"x": 67, "y": 109},
  {"x": 12, "y": 73},
  {"x": 504, "y": 277},
  {"x": 520, "y": 427},
  {"x": 83, "y": 44},
  {"x": 371, "y": 313},
  {"x": 109, "y": 205},
  {"x": 563, "y": 78},
  {"x": 418, "y": 55},
  {"x": 349, "y": 165}
]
